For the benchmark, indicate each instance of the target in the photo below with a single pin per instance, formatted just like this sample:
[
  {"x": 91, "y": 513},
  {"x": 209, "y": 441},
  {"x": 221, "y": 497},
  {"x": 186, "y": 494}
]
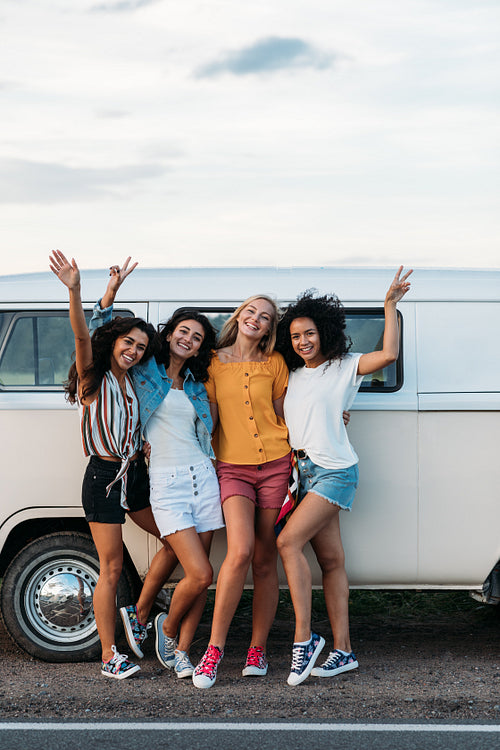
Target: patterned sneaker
[
  {"x": 165, "y": 646},
  {"x": 256, "y": 663},
  {"x": 183, "y": 666},
  {"x": 205, "y": 673},
  {"x": 118, "y": 666},
  {"x": 135, "y": 632},
  {"x": 303, "y": 659},
  {"x": 336, "y": 663}
]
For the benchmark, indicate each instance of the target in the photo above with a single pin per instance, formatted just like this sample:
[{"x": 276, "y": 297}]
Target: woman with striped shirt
[{"x": 116, "y": 480}]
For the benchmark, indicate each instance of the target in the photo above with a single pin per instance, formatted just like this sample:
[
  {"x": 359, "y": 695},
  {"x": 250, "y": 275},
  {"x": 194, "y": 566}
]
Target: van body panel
[
  {"x": 456, "y": 346},
  {"x": 386, "y": 500},
  {"x": 459, "y": 496}
]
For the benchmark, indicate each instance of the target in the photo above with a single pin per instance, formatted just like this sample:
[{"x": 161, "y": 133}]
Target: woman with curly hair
[
  {"x": 116, "y": 481},
  {"x": 324, "y": 379},
  {"x": 177, "y": 423},
  {"x": 246, "y": 389}
]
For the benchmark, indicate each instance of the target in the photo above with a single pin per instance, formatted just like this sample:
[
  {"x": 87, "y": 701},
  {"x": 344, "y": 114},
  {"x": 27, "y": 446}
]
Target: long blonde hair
[{"x": 229, "y": 330}]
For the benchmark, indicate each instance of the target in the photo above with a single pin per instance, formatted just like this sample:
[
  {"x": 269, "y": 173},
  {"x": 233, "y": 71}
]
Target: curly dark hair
[
  {"x": 199, "y": 364},
  {"x": 103, "y": 340},
  {"x": 328, "y": 315}
]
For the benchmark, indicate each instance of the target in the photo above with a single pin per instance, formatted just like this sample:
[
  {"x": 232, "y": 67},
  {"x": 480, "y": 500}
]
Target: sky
[{"x": 271, "y": 132}]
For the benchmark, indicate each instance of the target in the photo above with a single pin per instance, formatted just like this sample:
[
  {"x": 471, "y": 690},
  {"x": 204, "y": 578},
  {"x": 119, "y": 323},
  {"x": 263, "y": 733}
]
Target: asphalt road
[{"x": 250, "y": 736}]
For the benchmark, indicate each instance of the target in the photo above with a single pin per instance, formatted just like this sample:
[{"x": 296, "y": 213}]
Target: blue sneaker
[
  {"x": 183, "y": 666},
  {"x": 135, "y": 632},
  {"x": 303, "y": 659},
  {"x": 165, "y": 646},
  {"x": 336, "y": 663}
]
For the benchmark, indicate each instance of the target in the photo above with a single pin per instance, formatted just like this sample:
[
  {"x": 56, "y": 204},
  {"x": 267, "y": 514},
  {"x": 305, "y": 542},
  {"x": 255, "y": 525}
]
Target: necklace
[{"x": 177, "y": 381}]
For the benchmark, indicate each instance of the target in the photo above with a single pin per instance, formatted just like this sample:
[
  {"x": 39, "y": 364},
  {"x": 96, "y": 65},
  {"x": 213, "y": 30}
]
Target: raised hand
[
  {"x": 118, "y": 275},
  {"x": 67, "y": 272},
  {"x": 399, "y": 286}
]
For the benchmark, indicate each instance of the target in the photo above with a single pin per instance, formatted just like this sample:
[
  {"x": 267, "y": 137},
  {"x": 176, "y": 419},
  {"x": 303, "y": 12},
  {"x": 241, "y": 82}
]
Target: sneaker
[
  {"x": 256, "y": 663},
  {"x": 183, "y": 666},
  {"x": 135, "y": 632},
  {"x": 205, "y": 673},
  {"x": 303, "y": 659},
  {"x": 118, "y": 666},
  {"x": 336, "y": 663},
  {"x": 165, "y": 646}
]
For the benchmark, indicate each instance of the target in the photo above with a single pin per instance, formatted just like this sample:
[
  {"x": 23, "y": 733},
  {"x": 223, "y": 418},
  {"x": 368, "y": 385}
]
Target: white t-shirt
[
  {"x": 314, "y": 402},
  {"x": 172, "y": 434}
]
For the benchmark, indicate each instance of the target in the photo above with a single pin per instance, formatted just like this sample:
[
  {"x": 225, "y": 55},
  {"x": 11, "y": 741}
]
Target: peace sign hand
[
  {"x": 118, "y": 275},
  {"x": 399, "y": 286}
]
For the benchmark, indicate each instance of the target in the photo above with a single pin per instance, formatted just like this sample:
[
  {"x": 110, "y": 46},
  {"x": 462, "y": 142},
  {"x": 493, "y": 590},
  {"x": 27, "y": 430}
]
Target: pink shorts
[{"x": 264, "y": 484}]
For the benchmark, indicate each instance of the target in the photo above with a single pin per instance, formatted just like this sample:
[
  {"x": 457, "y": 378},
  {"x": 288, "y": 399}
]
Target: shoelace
[
  {"x": 117, "y": 659},
  {"x": 254, "y": 657},
  {"x": 297, "y": 657},
  {"x": 142, "y": 634},
  {"x": 183, "y": 661},
  {"x": 334, "y": 657},
  {"x": 209, "y": 662},
  {"x": 169, "y": 646}
]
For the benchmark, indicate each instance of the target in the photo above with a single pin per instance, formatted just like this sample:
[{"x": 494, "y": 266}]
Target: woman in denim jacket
[{"x": 184, "y": 492}]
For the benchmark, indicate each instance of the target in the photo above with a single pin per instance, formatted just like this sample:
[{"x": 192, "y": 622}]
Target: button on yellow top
[{"x": 236, "y": 388}]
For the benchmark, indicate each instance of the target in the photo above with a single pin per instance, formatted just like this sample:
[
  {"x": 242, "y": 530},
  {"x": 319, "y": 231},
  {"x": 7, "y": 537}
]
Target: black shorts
[{"x": 101, "y": 509}]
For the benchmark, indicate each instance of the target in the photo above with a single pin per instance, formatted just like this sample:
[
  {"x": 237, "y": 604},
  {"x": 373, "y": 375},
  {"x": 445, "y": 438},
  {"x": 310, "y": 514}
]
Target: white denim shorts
[{"x": 186, "y": 496}]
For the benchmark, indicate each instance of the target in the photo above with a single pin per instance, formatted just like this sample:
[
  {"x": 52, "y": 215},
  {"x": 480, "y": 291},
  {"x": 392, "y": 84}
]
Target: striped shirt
[{"x": 110, "y": 427}]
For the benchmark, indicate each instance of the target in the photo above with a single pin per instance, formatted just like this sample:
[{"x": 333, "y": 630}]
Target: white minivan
[{"x": 426, "y": 429}]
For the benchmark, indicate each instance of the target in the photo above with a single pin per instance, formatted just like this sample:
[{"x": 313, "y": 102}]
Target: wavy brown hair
[
  {"x": 103, "y": 341},
  {"x": 199, "y": 364}
]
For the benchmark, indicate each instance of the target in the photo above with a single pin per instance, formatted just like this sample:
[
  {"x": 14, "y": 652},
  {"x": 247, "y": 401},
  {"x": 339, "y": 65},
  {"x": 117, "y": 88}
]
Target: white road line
[{"x": 242, "y": 726}]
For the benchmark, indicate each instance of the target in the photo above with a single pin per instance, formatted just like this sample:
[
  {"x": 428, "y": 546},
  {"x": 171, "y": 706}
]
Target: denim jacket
[{"x": 152, "y": 384}]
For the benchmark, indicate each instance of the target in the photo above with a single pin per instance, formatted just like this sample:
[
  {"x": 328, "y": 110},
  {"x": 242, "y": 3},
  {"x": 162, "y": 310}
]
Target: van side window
[
  {"x": 365, "y": 326},
  {"x": 36, "y": 349}
]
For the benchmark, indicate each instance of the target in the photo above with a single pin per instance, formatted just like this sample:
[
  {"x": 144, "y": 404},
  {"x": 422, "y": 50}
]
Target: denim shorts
[
  {"x": 338, "y": 486},
  {"x": 99, "y": 473},
  {"x": 264, "y": 484},
  {"x": 186, "y": 496}
]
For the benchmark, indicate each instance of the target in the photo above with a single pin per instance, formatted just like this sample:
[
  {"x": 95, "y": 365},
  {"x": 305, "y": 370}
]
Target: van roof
[{"x": 213, "y": 285}]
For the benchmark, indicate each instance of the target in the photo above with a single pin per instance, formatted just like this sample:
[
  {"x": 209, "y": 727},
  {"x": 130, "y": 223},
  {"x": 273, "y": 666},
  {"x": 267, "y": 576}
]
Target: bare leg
[
  {"x": 162, "y": 565},
  {"x": 265, "y": 577},
  {"x": 192, "y": 618},
  {"x": 239, "y": 514},
  {"x": 108, "y": 541},
  {"x": 312, "y": 515},
  {"x": 327, "y": 545},
  {"x": 198, "y": 576}
]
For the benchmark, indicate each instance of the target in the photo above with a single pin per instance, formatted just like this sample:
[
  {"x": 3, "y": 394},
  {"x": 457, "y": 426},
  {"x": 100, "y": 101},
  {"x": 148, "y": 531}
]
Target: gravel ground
[{"x": 414, "y": 665}]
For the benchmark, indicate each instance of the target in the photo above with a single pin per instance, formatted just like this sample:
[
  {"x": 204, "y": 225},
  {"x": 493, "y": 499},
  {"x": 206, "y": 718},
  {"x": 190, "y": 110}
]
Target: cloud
[
  {"x": 35, "y": 182},
  {"x": 112, "y": 114},
  {"x": 267, "y": 56},
  {"x": 122, "y": 6}
]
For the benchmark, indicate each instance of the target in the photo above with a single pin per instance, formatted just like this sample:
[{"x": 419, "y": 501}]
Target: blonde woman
[{"x": 246, "y": 388}]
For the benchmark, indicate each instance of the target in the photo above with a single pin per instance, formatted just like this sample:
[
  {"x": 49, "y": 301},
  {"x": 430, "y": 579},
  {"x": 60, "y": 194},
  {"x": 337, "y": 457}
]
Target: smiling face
[
  {"x": 306, "y": 341},
  {"x": 186, "y": 339},
  {"x": 129, "y": 349},
  {"x": 256, "y": 319}
]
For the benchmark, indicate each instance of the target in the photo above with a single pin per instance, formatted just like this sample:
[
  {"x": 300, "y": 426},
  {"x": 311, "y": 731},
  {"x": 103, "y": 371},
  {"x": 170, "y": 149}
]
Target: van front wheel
[{"x": 46, "y": 598}]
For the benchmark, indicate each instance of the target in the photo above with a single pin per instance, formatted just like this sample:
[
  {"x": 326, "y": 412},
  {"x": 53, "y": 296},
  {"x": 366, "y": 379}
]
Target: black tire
[{"x": 46, "y": 597}]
